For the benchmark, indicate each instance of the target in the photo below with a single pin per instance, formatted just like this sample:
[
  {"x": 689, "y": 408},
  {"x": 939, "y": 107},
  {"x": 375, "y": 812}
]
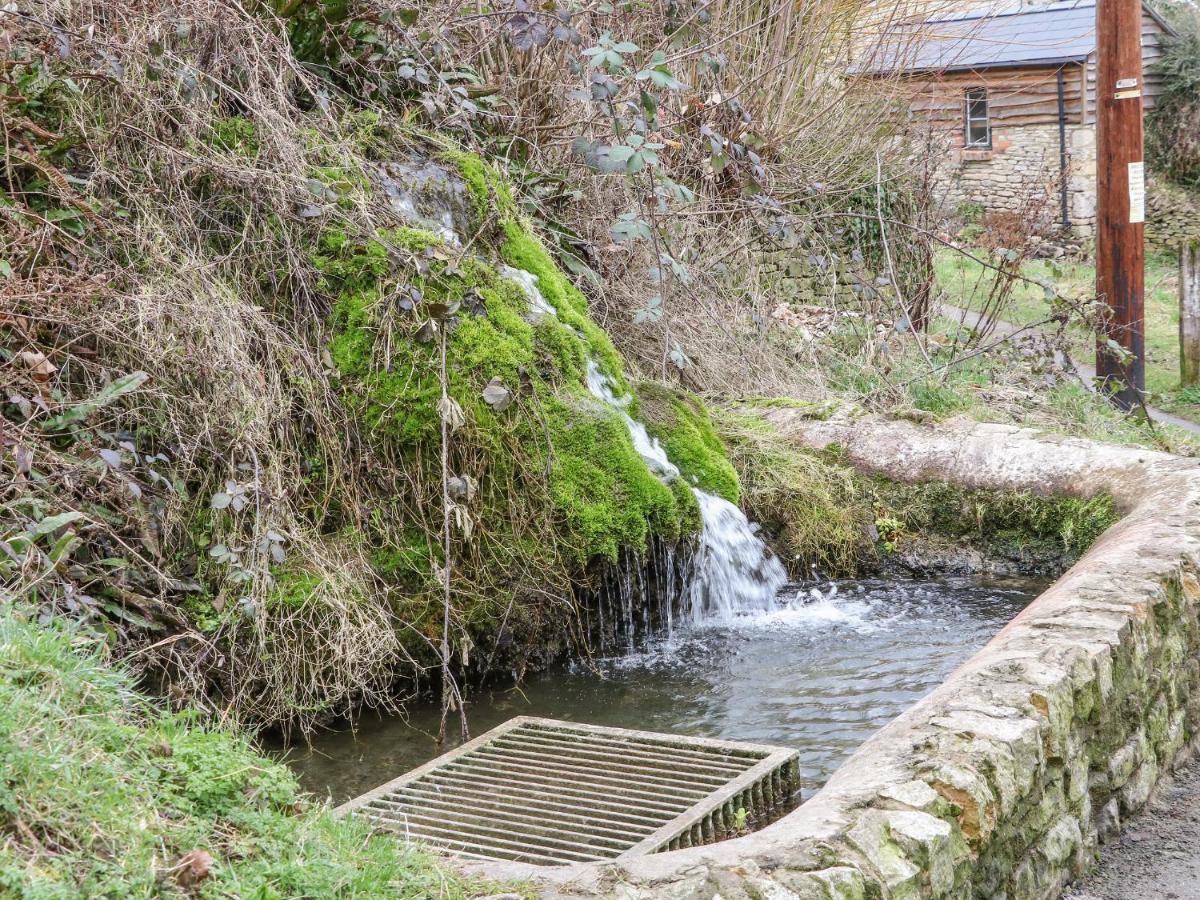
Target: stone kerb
[{"x": 1002, "y": 782}]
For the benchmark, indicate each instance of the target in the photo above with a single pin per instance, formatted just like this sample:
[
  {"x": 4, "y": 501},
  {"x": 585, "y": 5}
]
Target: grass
[
  {"x": 962, "y": 280},
  {"x": 104, "y": 795}
]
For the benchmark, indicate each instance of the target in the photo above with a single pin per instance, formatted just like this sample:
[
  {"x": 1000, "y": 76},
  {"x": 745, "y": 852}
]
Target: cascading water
[{"x": 734, "y": 572}]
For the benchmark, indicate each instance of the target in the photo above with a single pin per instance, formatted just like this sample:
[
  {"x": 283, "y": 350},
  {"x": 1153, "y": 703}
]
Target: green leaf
[
  {"x": 6, "y": 269},
  {"x": 629, "y": 228},
  {"x": 660, "y": 77},
  {"x": 107, "y": 394},
  {"x": 51, "y": 524}
]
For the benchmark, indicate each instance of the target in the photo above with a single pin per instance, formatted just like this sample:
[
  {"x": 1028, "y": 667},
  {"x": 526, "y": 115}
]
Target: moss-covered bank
[
  {"x": 820, "y": 511},
  {"x": 546, "y": 481},
  {"x": 105, "y": 795}
]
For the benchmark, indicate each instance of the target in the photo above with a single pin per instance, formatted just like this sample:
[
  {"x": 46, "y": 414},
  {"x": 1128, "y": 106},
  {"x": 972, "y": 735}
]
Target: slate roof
[{"x": 1050, "y": 34}]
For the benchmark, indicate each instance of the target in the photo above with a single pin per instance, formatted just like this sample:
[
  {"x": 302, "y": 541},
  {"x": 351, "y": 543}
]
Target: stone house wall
[{"x": 1021, "y": 174}]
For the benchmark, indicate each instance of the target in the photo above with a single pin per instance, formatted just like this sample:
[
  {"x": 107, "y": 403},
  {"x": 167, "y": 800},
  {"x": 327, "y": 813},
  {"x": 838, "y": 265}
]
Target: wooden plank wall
[
  {"x": 1026, "y": 96},
  {"x": 1152, "y": 51}
]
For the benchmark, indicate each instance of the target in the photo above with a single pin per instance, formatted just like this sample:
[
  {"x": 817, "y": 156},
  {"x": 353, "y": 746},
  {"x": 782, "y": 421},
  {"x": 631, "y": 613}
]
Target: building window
[{"x": 979, "y": 131}]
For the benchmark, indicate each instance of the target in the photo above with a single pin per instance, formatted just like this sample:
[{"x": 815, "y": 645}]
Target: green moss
[
  {"x": 818, "y": 509},
  {"x": 554, "y": 445},
  {"x": 1008, "y": 522},
  {"x": 690, "y": 520},
  {"x": 488, "y": 192},
  {"x": 235, "y": 134},
  {"x": 601, "y": 484},
  {"x": 811, "y": 508},
  {"x": 122, "y": 791},
  {"x": 294, "y": 589},
  {"x": 680, "y": 421},
  {"x": 523, "y": 250}
]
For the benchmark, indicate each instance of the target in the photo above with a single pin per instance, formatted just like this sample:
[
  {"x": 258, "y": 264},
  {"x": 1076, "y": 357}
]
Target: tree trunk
[{"x": 1189, "y": 313}]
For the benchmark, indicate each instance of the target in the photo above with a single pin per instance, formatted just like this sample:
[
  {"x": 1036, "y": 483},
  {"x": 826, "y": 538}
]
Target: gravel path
[{"x": 1158, "y": 852}]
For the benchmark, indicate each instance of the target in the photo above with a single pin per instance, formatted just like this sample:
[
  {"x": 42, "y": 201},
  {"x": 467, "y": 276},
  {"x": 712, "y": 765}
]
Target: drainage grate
[{"x": 552, "y": 793}]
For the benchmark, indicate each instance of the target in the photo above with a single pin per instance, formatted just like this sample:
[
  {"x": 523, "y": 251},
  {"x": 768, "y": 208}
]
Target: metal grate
[{"x": 552, "y": 793}]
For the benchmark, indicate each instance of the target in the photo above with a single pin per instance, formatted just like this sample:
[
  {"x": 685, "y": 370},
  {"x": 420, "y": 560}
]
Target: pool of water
[{"x": 820, "y": 673}]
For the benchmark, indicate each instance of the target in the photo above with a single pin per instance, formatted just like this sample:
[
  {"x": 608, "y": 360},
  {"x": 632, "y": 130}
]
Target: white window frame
[{"x": 970, "y": 96}]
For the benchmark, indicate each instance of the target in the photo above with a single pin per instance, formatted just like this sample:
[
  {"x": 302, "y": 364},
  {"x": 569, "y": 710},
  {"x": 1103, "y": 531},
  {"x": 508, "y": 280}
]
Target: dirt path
[{"x": 1158, "y": 853}]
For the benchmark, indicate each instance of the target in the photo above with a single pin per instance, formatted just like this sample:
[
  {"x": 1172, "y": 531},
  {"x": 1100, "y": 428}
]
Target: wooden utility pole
[
  {"x": 1121, "y": 200},
  {"x": 1189, "y": 313}
]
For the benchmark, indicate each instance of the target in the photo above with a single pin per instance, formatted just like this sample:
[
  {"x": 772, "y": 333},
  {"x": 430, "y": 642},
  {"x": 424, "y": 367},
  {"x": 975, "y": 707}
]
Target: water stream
[{"x": 820, "y": 671}]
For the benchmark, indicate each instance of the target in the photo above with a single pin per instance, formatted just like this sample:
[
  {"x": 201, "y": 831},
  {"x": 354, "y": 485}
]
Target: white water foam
[{"x": 735, "y": 573}]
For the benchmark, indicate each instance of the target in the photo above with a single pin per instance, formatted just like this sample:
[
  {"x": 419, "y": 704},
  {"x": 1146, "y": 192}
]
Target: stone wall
[
  {"x": 1004, "y": 780},
  {"x": 826, "y": 276},
  {"x": 1020, "y": 174},
  {"x": 1172, "y": 214}
]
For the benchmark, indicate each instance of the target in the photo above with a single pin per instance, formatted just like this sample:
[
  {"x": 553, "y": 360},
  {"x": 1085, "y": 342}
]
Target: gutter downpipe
[{"x": 1062, "y": 149}]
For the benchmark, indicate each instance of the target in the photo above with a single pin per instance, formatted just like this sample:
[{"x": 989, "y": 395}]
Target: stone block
[{"x": 834, "y": 883}]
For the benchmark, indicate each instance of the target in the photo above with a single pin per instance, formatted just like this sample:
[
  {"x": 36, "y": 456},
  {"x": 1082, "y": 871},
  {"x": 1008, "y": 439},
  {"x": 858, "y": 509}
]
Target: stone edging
[{"x": 1002, "y": 781}]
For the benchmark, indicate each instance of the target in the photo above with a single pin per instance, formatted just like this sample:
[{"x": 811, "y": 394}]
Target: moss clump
[
  {"x": 556, "y": 481},
  {"x": 122, "y": 791},
  {"x": 680, "y": 421},
  {"x": 601, "y": 485},
  {"x": 820, "y": 511},
  {"x": 294, "y": 589},
  {"x": 235, "y": 134},
  {"x": 1008, "y": 523},
  {"x": 523, "y": 250},
  {"x": 487, "y": 191},
  {"x": 810, "y": 507}
]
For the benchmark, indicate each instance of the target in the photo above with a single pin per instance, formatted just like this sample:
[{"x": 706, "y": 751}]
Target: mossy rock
[{"x": 556, "y": 481}]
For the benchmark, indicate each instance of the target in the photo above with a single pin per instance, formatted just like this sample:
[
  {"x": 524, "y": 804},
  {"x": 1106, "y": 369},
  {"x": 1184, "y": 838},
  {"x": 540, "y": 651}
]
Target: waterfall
[{"x": 734, "y": 572}]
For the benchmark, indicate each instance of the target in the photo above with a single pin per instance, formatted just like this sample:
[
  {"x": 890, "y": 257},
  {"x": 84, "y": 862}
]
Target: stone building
[{"x": 1010, "y": 93}]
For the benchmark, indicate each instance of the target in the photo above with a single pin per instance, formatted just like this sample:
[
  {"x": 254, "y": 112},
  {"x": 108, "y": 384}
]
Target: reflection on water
[{"x": 820, "y": 673}]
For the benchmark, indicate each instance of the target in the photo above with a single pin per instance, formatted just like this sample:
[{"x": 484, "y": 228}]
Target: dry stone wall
[
  {"x": 1003, "y": 781},
  {"x": 1172, "y": 214}
]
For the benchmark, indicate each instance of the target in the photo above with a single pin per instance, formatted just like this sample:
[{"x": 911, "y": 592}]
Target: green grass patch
[
  {"x": 964, "y": 282},
  {"x": 104, "y": 795}
]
